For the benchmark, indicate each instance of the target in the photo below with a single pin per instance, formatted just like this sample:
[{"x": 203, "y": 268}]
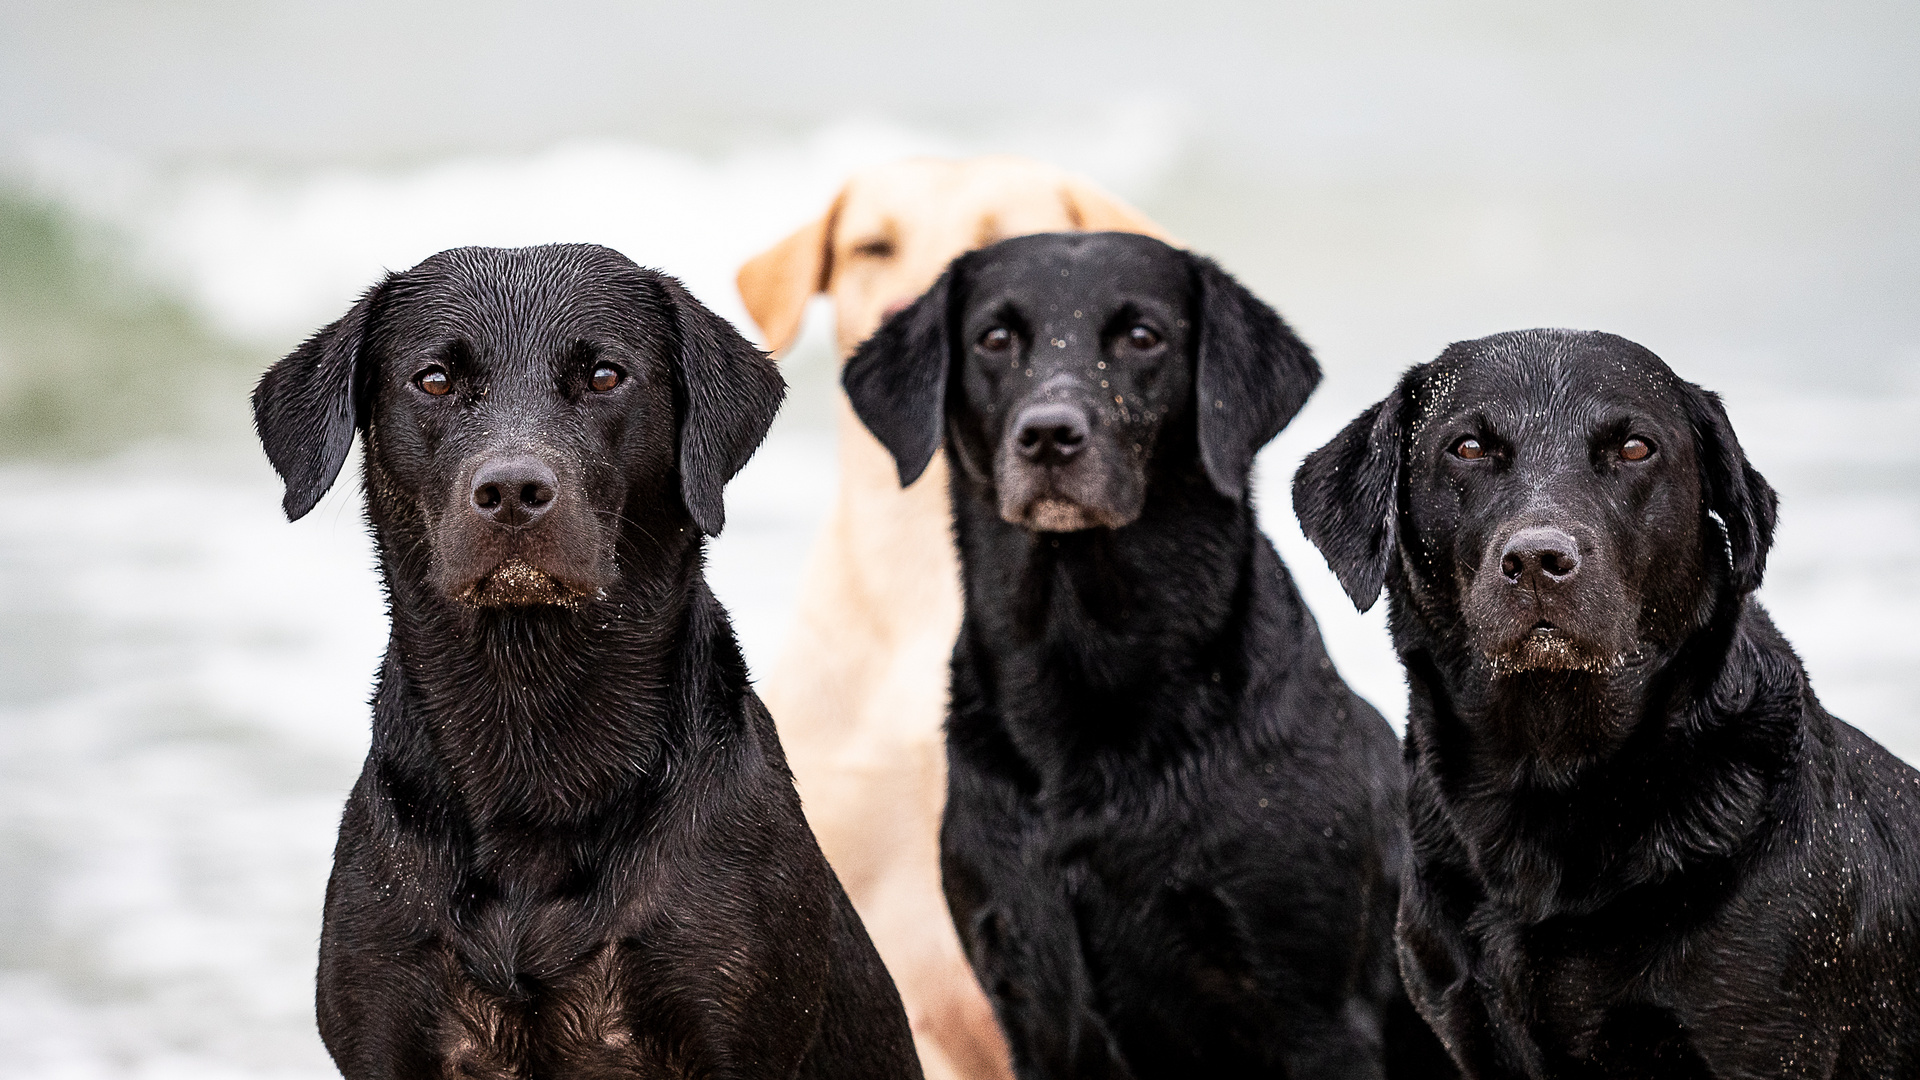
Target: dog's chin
[
  {"x": 517, "y": 583},
  {"x": 1053, "y": 514},
  {"x": 1545, "y": 647}
]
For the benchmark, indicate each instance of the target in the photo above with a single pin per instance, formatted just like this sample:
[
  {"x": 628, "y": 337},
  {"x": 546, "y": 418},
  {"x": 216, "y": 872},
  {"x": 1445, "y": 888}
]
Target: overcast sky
[{"x": 1523, "y": 86}]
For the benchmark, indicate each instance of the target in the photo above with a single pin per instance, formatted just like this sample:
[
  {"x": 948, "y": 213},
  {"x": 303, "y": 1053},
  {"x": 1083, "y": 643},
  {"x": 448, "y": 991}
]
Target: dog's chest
[
  {"x": 629, "y": 982},
  {"x": 1594, "y": 1009},
  {"x": 572, "y": 1021},
  {"x": 1148, "y": 910},
  {"x": 537, "y": 985}
]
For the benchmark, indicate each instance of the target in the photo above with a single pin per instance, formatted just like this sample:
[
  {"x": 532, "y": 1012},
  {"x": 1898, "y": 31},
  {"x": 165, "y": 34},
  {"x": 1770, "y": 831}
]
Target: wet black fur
[
  {"x": 575, "y": 849},
  {"x": 1173, "y": 835},
  {"x": 1683, "y": 867}
]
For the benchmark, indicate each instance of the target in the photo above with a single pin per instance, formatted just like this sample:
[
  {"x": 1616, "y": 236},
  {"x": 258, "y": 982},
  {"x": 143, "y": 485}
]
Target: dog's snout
[
  {"x": 1537, "y": 554},
  {"x": 1051, "y": 432},
  {"x": 514, "y": 490}
]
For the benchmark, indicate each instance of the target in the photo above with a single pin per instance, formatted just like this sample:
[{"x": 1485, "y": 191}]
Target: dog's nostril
[
  {"x": 1068, "y": 436},
  {"x": 536, "y": 494},
  {"x": 486, "y": 496},
  {"x": 1511, "y": 566}
]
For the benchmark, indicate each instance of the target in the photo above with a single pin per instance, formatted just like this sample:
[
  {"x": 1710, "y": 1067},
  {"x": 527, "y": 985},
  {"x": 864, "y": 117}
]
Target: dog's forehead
[
  {"x": 1051, "y": 276},
  {"x": 959, "y": 202},
  {"x": 555, "y": 294},
  {"x": 1547, "y": 381}
]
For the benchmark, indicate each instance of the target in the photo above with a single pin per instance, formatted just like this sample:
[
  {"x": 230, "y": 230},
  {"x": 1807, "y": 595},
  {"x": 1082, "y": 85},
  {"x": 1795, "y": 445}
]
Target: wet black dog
[
  {"x": 1173, "y": 836},
  {"x": 1641, "y": 847},
  {"x": 575, "y": 849}
]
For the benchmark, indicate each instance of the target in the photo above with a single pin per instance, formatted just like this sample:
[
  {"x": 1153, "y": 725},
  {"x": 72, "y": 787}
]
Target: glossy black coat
[
  {"x": 1173, "y": 835},
  {"x": 575, "y": 849},
  {"x": 1640, "y": 846}
]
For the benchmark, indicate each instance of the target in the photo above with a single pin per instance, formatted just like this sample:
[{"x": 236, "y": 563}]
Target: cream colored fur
[{"x": 860, "y": 691}]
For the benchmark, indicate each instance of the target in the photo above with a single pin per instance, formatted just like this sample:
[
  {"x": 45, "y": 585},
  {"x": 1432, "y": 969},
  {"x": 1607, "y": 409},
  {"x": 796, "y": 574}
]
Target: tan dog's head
[{"x": 894, "y": 227}]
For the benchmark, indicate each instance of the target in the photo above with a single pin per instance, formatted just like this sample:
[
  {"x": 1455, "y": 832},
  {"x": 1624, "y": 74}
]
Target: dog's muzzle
[
  {"x": 1054, "y": 472},
  {"x": 517, "y": 537},
  {"x": 1535, "y": 606}
]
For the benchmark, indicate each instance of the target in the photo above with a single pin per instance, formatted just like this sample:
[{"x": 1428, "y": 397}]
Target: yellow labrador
[{"x": 860, "y": 691}]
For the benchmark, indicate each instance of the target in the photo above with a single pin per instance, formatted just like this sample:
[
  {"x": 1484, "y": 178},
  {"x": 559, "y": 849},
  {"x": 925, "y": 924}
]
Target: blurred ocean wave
[
  {"x": 185, "y": 681},
  {"x": 92, "y": 355},
  {"x": 268, "y": 254}
]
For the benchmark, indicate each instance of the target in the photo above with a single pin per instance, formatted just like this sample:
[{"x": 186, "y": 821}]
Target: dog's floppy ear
[
  {"x": 729, "y": 392},
  {"x": 1733, "y": 489},
  {"x": 1254, "y": 375},
  {"x": 1090, "y": 209},
  {"x": 897, "y": 380},
  {"x": 777, "y": 283},
  {"x": 1347, "y": 496},
  {"x": 306, "y": 407}
]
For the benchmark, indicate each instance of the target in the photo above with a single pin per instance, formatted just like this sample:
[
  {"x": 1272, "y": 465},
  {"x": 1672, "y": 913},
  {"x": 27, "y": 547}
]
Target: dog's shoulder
[
  {"x": 1874, "y": 816},
  {"x": 1295, "y": 694}
]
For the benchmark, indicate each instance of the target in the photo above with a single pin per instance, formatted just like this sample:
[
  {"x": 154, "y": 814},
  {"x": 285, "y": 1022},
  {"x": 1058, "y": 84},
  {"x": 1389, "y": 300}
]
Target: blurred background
[{"x": 188, "y": 188}]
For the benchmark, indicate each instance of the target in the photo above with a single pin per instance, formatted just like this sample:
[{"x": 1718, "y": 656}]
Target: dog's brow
[
  {"x": 456, "y": 353},
  {"x": 885, "y": 233},
  {"x": 1471, "y": 421},
  {"x": 1132, "y": 311},
  {"x": 1614, "y": 425},
  {"x": 1005, "y": 311}
]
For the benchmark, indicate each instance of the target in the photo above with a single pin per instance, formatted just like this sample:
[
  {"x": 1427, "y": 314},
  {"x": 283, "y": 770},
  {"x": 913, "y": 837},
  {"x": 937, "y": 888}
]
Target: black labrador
[
  {"x": 575, "y": 849},
  {"x": 1173, "y": 836},
  {"x": 1640, "y": 846}
]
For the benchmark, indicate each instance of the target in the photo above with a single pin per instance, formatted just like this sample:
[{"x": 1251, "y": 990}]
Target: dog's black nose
[
  {"x": 513, "y": 490},
  {"x": 1540, "y": 553},
  {"x": 1052, "y": 431}
]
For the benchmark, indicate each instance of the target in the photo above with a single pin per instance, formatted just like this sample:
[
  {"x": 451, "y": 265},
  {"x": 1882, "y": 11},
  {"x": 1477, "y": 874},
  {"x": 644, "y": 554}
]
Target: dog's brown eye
[
  {"x": 604, "y": 379},
  {"x": 434, "y": 381},
  {"x": 1470, "y": 449},
  {"x": 998, "y": 339},
  {"x": 1141, "y": 337},
  {"x": 1636, "y": 449},
  {"x": 877, "y": 248}
]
